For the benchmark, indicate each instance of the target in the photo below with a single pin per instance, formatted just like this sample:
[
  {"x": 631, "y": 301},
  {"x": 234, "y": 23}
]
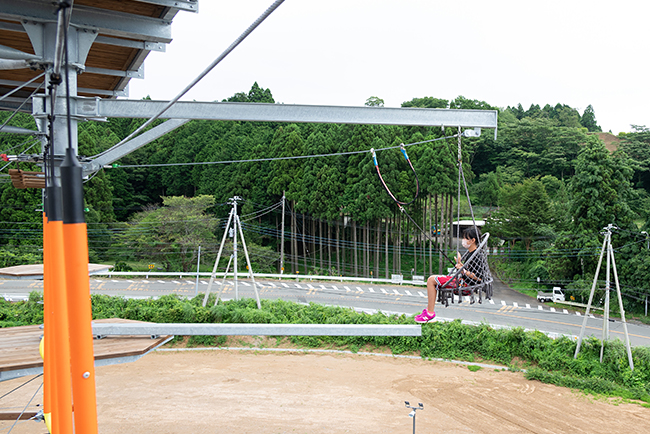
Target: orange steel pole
[
  {"x": 62, "y": 395},
  {"x": 47, "y": 328},
  {"x": 78, "y": 292}
]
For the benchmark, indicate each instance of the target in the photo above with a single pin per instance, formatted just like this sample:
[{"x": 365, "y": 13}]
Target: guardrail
[{"x": 417, "y": 280}]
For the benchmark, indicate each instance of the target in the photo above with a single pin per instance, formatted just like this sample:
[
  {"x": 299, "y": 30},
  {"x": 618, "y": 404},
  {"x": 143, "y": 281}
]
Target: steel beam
[
  {"x": 107, "y": 329},
  {"x": 140, "y": 45},
  {"x": 137, "y": 73},
  {"x": 184, "y": 5},
  {"x": 107, "y": 22},
  {"x": 114, "y": 154},
  {"x": 289, "y": 113}
]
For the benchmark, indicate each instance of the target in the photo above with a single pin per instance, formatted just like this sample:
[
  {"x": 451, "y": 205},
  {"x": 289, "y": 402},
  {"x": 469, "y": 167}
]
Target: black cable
[{"x": 25, "y": 383}]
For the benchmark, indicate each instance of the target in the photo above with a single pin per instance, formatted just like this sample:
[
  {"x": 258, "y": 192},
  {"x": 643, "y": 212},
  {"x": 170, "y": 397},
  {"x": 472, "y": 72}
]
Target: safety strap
[{"x": 417, "y": 181}]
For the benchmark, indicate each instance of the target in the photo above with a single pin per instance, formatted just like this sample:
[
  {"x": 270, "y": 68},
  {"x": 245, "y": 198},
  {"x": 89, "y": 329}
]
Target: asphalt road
[{"x": 508, "y": 308}]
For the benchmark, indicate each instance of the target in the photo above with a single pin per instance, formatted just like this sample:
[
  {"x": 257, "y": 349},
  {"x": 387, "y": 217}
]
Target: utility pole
[
  {"x": 282, "y": 238},
  {"x": 234, "y": 243},
  {"x": 611, "y": 262}
]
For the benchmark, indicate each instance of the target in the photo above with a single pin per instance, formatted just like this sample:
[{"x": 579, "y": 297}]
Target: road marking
[
  {"x": 408, "y": 292},
  {"x": 359, "y": 288},
  {"x": 565, "y": 311},
  {"x": 540, "y": 308},
  {"x": 552, "y": 309},
  {"x": 591, "y": 316},
  {"x": 204, "y": 282},
  {"x": 396, "y": 292},
  {"x": 176, "y": 282},
  {"x": 503, "y": 303},
  {"x": 370, "y": 289},
  {"x": 285, "y": 285},
  {"x": 298, "y": 286},
  {"x": 322, "y": 286},
  {"x": 336, "y": 288},
  {"x": 98, "y": 281},
  {"x": 115, "y": 281},
  {"x": 145, "y": 281},
  {"x": 161, "y": 281},
  {"x": 130, "y": 281},
  {"x": 527, "y": 306},
  {"x": 422, "y": 295},
  {"x": 245, "y": 283},
  {"x": 466, "y": 298},
  {"x": 347, "y": 289},
  {"x": 310, "y": 287},
  {"x": 383, "y": 290},
  {"x": 190, "y": 282},
  {"x": 578, "y": 314},
  {"x": 491, "y": 301},
  {"x": 514, "y": 304}
]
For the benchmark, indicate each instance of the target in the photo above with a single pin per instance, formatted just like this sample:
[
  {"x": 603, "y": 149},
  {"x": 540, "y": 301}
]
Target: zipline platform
[
  {"x": 35, "y": 271},
  {"x": 19, "y": 355}
]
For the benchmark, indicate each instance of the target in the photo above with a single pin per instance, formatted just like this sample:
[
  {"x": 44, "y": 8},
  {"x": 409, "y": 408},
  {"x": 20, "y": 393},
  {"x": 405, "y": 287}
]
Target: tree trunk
[
  {"x": 386, "y": 247},
  {"x": 304, "y": 245},
  {"x": 338, "y": 258},
  {"x": 377, "y": 243},
  {"x": 320, "y": 242},
  {"x": 354, "y": 246},
  {"x": 329, "y": 247}
]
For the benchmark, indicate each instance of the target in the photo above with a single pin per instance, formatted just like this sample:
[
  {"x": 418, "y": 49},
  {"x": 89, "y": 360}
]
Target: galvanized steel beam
[
  {"x": 111, "y": 23},
  {"x": 128, "y": 329},
  {"x": 184, "y": 5},
  {"x": 289, "y": 113}
]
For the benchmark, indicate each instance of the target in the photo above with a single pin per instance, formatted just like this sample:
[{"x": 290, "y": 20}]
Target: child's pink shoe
[{"x": 425, "y": 316}]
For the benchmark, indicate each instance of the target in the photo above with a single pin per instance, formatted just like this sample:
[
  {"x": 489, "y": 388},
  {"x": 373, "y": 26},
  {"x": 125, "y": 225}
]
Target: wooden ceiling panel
[{"x": 128, "y": 6}]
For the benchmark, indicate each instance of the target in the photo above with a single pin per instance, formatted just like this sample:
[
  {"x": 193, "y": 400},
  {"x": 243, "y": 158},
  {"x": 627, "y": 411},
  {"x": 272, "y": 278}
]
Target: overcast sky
[{"x": 340, "y": 52}]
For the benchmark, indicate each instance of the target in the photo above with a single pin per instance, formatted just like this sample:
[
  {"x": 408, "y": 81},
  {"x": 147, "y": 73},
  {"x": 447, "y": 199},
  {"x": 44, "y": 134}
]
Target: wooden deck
[{"x": 19, "y": 354}]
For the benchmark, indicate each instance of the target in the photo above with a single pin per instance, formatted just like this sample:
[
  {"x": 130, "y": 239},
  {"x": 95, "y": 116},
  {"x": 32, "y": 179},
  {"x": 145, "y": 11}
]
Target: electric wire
[
  {"x": 24, "y": 384},
  {"x": 25, "y": 409},
  {"x": 256, "y": 160},
  {"x": 21, "y": 106},
  {"x": 21, "y": 86}
]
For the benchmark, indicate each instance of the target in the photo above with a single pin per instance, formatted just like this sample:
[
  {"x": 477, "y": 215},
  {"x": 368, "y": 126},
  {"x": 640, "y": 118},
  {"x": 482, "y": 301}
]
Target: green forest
[{"x": 546, "y": 187}]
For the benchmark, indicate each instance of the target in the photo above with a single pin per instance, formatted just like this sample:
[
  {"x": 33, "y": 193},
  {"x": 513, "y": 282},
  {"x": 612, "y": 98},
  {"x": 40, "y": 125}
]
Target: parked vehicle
[{"x": 556, "y": 295}]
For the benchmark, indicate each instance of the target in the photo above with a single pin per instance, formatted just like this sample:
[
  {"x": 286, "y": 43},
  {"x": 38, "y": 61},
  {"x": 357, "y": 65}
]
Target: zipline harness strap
[{"x": 417, "y": 181}]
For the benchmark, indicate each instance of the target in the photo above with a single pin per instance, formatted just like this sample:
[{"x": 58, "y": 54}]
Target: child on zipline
[{"x": 472, "y": 274}]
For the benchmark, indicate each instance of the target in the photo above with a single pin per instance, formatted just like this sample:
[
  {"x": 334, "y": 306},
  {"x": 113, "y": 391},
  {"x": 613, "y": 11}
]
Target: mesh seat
[{"x": 478, "y": 291}]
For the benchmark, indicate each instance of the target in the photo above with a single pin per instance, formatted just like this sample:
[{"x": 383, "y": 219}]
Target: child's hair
[{"x": 473, "y": 232}]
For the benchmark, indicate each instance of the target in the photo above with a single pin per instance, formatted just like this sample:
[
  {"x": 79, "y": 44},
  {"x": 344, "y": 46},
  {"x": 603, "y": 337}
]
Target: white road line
[
  {"x": 335, "y": 288},
  {"x": 161, "y": 281},
  {"x": 396, "y": 292},
  {"x": 309, "y": 286},
  {"x": 359, "y": 289},
  {"x": 145, "y": 281},
  {"x": 347, "y": 289},
  {"x": 130, "y": 281},
  {"x": 115, "y": 281},
  {"x": 591, "y": 316},
  {"x": 322, "y": 286},
  {"x": 422, "y": 295},
  {"x": 370, "y": 289},
  {"x": 540, "y": 308},
  {"x": 503, "y": 303},
  {"x": 383, "y": 290},
  {"x": 408, "y": 292},
  {"x": 565, "y": 311},
  {"x": 245, "y": 283},
  {"x": 298, "y": 286},
  {"x": 176, "y": 282},
  {"x": 204, "y": 282},
  {"x": 578, "y": 314},
  {"x": 98, "y": 281},
  {"x": 552, "y": 309},
  {"x": 466, "y": 298},
  {"x": 514, "y": 304},
  {"x": 190, "y": 282},
  {"x": 527, "y": 306},
  {"x": 285, "y": 285},
  {"x": 491, "y": 301}
]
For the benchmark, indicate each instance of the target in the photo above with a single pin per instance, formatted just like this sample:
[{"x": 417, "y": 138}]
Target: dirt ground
[{"x": 260, "y": 392}]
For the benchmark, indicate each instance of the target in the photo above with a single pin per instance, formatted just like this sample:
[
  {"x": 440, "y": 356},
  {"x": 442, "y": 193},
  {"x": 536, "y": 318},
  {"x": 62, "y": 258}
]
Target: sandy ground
[{"x": 256, "y": 392}]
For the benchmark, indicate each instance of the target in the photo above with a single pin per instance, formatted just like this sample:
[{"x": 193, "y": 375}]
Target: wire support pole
[
  {"x": 216, "y": 262},
  {"x": 205, "y": 72},
  {"x": 611, "y": 265},
  {"x": 282, "y": 236}
]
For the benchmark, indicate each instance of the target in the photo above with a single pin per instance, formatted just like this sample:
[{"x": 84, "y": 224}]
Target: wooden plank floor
[{"x": 19, "y": 346}]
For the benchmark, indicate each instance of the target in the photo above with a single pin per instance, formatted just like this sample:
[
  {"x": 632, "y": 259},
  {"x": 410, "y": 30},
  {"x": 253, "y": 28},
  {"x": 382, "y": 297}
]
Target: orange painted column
[
  {"x": 75, "y": 242},
  {"x": 62, "y": 394},
  {"x": 48, "y": 328}
]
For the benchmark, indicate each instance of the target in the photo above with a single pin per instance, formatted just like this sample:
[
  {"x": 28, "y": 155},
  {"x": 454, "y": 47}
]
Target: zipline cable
[{"x": 205, "y": 72}]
